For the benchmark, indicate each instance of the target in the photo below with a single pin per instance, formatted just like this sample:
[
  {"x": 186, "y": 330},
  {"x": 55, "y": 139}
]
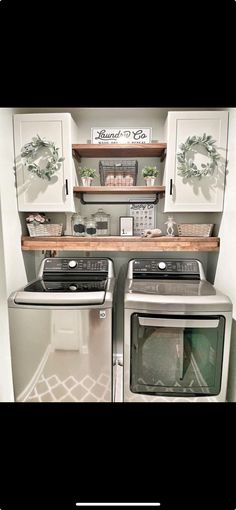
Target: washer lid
[{"x": 51, "y": 285}]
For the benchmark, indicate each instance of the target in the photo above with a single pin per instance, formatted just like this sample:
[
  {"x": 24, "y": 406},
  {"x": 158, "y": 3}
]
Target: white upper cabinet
[
  {"x": 191, "y": 193},
  {"x": 35, "y": 193}
]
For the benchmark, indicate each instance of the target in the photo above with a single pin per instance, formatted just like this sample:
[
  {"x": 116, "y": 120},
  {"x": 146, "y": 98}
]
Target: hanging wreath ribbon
[
  {"x": 32, "y": 150},
  {"x": 186, "y": 167}
]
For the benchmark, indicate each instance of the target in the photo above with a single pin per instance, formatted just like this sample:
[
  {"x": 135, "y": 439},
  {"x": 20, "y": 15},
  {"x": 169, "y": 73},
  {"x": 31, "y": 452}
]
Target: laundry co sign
[{"x": 121, "y": 135}]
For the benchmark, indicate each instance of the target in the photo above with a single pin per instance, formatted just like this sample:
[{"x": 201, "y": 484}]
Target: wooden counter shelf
[
  {"x": 106, "y": 150},
  {"x": 120, "y": 190},
  {"x": 117, "y": 243},
  {"x": 80, "y": 191}
]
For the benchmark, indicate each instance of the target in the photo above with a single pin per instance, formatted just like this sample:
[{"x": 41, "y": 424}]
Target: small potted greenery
[
  {"x": 87, "y": 175},
  {"x": 150, "y": 173}
]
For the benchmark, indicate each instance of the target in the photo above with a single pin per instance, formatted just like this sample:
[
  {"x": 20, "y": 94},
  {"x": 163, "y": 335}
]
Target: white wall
[
  {"x": 6, "y": 388},
  {"x": 121, "y": 117},
  {"x": 225, "y": 278},
  {"x": 12, "y": 269}
]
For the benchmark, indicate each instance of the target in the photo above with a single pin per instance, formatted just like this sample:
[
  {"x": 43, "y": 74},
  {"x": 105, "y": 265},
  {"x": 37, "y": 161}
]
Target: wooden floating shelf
[
  {"x": 125, "y": 244},
  {"x": 106, "y": 150},
  {"x": 106, "y": 190}
]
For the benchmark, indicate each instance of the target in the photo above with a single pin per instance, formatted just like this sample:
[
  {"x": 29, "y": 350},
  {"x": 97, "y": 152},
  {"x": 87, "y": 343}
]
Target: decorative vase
[
  {"x": 86, "y": 181},
  {"x": 150, "y": 181},
  {"x": 170, "y": 226}
]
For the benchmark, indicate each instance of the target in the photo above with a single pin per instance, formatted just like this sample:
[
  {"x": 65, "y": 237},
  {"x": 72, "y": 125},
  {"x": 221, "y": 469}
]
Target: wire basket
[
  {"x": 48, "y": 229},
  {"x": 195, "y": 229},
  {"x": 118, "y": 172}
]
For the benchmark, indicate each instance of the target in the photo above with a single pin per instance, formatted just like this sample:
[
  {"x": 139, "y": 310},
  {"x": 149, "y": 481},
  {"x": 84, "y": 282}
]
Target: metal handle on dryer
[{"x": 178, "y": 323}]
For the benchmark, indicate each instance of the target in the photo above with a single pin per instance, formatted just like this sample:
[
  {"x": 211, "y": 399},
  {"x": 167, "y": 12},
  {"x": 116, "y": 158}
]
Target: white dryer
[{"x": 176, "y": 333}]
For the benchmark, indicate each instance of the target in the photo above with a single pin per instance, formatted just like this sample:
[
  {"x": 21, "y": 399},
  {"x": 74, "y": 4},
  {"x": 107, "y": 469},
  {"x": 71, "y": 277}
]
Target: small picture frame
[{"x": 126, "y": 226}]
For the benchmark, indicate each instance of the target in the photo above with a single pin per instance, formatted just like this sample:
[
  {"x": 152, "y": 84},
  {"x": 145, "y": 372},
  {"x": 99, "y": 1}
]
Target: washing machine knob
[
  {"x": 72, "y": 263},
  {"x": 162, "y": 265}
]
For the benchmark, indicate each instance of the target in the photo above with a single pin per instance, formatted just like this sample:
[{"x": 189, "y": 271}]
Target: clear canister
[
  {"x": 102, "y": 220},
  {"x": 78, "y": 225},
  {"x": 90, "y": 227}
]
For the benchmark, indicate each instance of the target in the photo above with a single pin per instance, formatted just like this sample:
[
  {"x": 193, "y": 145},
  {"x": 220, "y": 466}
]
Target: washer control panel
[
  {"x": 157, "y": 266},
  {"x": 76, "y": 265}
]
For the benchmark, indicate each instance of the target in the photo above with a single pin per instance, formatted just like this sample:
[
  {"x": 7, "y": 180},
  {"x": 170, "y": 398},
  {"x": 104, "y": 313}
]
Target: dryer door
[{"x": 175, "y": 355}]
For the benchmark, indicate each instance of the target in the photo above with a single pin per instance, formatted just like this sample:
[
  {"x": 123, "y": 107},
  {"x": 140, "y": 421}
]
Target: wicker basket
[
  {"x": 48, "y": 229},
  {"x": 195, "y": 229}
]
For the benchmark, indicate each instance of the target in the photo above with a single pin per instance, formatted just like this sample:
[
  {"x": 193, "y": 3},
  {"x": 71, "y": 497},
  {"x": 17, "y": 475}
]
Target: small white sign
[
  {"x": 121, "y": 135},
  {"x": 126, "y": 226}
]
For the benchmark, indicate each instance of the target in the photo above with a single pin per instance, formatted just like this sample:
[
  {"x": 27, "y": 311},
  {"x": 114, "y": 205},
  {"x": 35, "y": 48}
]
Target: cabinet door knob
[
  {"x": 171, "y": 186},
  {"x": 67, "y": 192}
]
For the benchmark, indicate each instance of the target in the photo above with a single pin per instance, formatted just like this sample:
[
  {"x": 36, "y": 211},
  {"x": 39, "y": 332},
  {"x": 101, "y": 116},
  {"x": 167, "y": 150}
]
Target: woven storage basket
[
  {"x": 195, "y": 229},
  {"x": 51, "y": 229}
]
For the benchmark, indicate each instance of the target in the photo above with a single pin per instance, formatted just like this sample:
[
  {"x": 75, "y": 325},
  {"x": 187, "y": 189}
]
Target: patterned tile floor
[
  {"x": 53, "y": 389},
  {"x": 63, "y": 379}
]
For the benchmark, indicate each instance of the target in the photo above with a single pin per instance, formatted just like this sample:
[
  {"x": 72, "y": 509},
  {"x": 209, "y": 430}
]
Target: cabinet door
[
  {"x": 33, "y": 192},
  {"x": 194, "y": 194}
]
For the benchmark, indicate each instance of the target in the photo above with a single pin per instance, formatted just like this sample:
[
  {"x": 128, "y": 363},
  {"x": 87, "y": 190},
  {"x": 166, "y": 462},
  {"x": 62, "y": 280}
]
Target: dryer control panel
[{"x": 157, "y": 268}]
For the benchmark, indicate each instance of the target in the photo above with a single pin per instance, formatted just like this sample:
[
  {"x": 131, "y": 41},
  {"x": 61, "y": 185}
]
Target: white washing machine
[
  {"x": 177, "y": 330},
  {"x": 61, "y": 332}
]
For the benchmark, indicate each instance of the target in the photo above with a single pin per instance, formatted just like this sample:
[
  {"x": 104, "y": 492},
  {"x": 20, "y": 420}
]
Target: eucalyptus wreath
[
  {"x": 30, "y": 151},
  {"x": 186, "y": 167}
]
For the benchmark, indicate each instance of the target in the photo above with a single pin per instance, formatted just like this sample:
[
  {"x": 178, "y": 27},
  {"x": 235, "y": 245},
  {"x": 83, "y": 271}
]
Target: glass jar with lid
[
  {"x": 102, "y": 220},
  {"x": 90, "y": 226},
  {"x": 78, "y": 225}
]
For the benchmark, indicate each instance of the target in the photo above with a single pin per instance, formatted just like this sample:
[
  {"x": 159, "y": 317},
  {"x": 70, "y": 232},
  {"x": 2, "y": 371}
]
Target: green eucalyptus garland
[
  {"x": 31, "y": 151},
  {"x": 186, "y": 167}
]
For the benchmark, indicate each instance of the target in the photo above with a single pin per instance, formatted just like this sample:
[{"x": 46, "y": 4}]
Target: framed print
[
  {"x": 126, "y": 226},
  {"x": 144, "y": 215}
]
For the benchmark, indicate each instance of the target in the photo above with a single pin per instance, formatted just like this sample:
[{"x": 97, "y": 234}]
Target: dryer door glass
[{"x": 176, "y": 354}]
